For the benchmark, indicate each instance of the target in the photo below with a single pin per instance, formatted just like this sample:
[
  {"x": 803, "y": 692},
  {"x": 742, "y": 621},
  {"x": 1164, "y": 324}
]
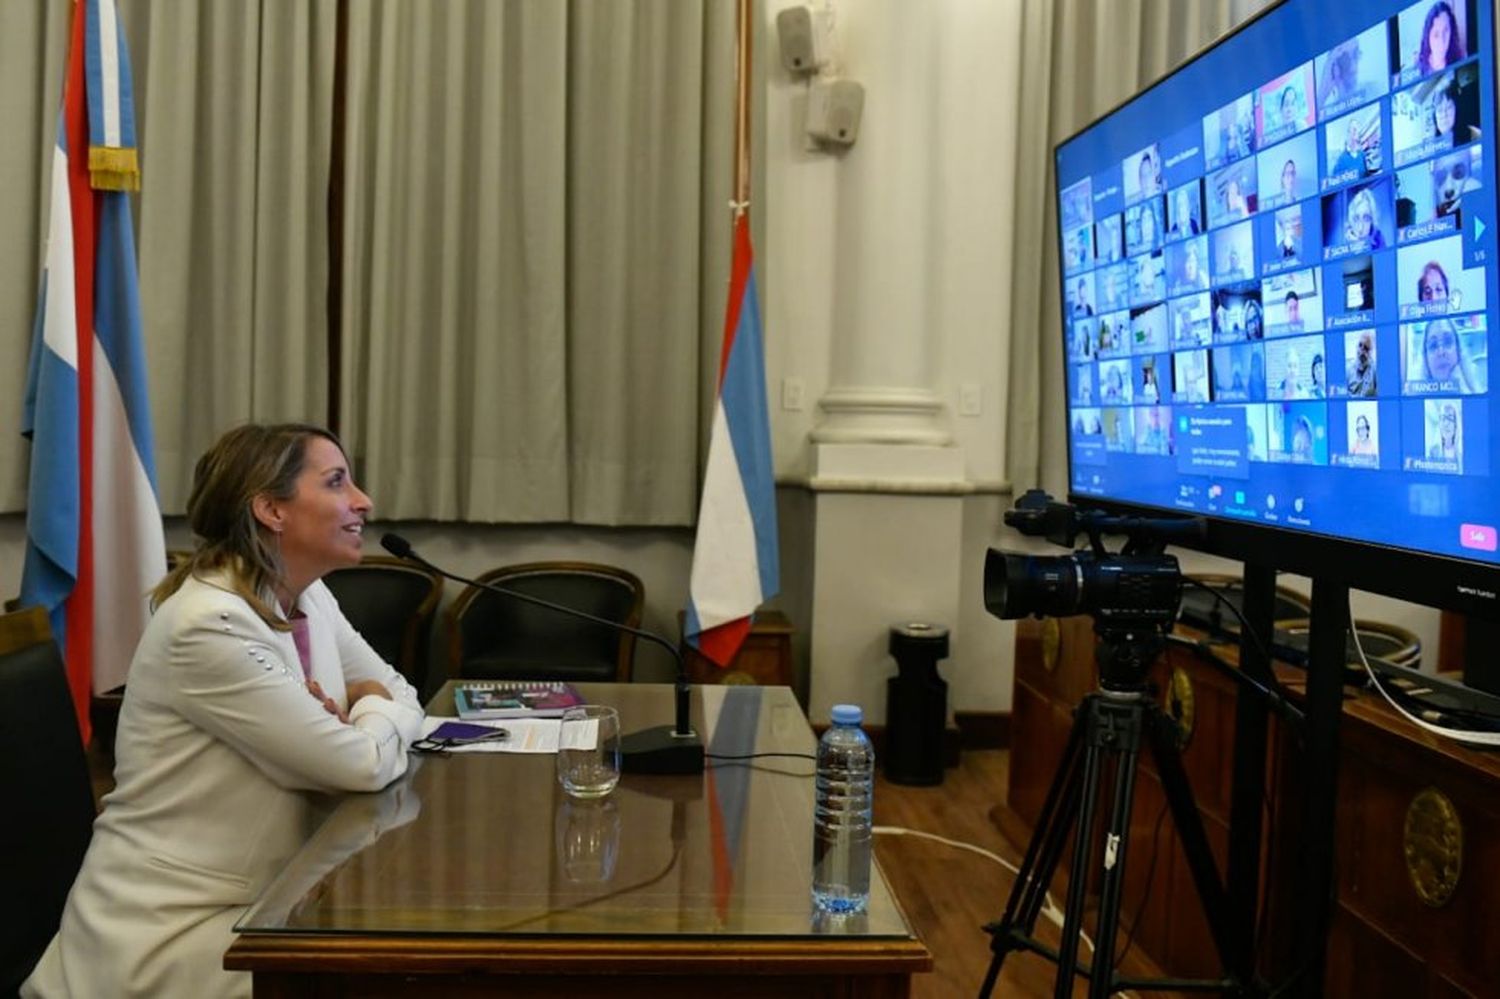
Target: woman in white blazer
[{"x": 250, "y": 700}]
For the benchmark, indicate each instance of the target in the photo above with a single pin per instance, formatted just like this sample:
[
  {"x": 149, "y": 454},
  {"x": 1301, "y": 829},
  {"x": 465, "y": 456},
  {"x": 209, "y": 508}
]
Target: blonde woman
[{"x": 250, "y": 699}]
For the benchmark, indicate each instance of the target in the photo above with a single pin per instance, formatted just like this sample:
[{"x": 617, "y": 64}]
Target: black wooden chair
[
  {"x": 391, "y": 602},
  {"x": 44, "y": 781},
  {"x": 493, "y": 636}
]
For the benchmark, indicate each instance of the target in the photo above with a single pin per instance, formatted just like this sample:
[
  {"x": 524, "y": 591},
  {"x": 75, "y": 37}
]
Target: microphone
[{"x": 663, "y": 749}]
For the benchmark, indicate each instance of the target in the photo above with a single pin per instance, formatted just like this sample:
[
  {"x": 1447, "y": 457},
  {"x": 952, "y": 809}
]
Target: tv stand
[
  {"x": 1312, "y": 905},
  {"x": 1323, "y": 710}
]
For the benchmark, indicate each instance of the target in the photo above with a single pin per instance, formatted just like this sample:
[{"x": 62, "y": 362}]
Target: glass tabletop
[{"x": 488, "y": 843}]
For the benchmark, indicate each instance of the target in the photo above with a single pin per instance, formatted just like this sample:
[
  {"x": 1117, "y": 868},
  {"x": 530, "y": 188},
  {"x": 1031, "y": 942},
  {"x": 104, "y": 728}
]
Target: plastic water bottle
[{"x": 841, "y": 814}]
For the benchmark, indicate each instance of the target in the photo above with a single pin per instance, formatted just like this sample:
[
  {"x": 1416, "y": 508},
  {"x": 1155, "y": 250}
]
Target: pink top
[{"x": 304, "y": 643}]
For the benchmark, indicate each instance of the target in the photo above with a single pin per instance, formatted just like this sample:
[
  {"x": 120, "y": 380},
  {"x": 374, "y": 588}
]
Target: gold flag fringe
[{"x": 112, "y": 168}]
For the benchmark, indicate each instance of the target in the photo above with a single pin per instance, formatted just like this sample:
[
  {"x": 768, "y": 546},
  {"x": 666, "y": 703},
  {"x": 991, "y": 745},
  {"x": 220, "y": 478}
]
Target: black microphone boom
[{"x": 664, "y": 749}]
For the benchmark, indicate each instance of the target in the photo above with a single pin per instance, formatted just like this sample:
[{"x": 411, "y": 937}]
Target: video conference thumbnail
[
  {"x": 1296, "y": 368},
  {"x": 1361, "y": 435},
  {"x": 1190, "y": 376},
  {"x": 1187, "y": 266},
  {"x": 1291, "y": 302},
  {"x": 1298, "y": 432},
  {"x": 1447, "y": 355},
  {"x": 1431, "y": 279},
  {"x": 1185, "y": 210},
  {"x": 1143, "y": 175},
  {"x": 1237, "y": 312},
  {"x": 1353, "y": 72},
  {"x": 1229, "y": 133},
  {"x": 1148, "y": 329},
  {"x": 1353, "y": 147},
  {"x": 1148, "y": 278},
  {"x": 1430, "y": 196},
  {"x": 1231, "y": 193},
  {"x": 1113, "y": 287},
  {"x": 1151, "y": 374},
  {"x": 1109, "y": 239},
  {"x": 1435, "y": 435},
  {"x": 1289, "y": 172},
  {"x": 1113, "y": 334},
  {"x": 1359, "y": 219},
  {"x": 1234, "y": 252},
  {"x": 1285, "y": 105},
  {"x": 1435, "y": 115},
  {"x": 1153, "y": 430},
  {"x": 1432, "y": 36},
  {"x": 1239, "y": 373},
  {"x": 1290, "y": 237},
  {"x": 1143, "y": 228},
  {"x": 1361, "y": 363}
]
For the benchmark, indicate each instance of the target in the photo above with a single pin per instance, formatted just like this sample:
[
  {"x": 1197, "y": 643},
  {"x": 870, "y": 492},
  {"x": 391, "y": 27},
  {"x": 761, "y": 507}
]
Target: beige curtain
[
  {"x": 525, "y": 240},
  {"x": 33, "y": 55},
  {"x": 1080, "y": 58},
  {"x": 233, "y": 102}
]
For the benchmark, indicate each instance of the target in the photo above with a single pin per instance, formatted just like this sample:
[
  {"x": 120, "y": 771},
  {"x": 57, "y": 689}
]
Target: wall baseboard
[
  {"x": 965, "y": 730},
  {"x": 983, "y": 729}
]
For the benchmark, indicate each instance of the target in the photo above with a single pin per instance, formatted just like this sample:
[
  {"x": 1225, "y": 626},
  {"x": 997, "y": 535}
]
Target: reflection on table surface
[{"x": 490, "y": 844}]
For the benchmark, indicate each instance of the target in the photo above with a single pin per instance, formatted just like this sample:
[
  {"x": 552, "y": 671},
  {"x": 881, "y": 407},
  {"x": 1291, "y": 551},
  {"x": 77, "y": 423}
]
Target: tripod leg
[
  {"x": 1035, "y": 874},
  {"x": 1126, "y": 723},
  {"x": 1067, "y": 954}
]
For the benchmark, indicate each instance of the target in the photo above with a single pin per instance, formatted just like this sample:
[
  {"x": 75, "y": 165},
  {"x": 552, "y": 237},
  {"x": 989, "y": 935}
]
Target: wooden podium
[{"x": 1415, "y": 863}]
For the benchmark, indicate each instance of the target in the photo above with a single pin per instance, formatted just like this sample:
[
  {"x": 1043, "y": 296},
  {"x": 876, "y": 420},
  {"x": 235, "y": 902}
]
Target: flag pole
[{"x": 742, "y": 109}]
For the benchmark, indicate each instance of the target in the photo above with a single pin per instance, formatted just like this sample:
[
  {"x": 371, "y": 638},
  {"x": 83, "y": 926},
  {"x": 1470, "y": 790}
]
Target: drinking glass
[{"x": 588, "y": 754}]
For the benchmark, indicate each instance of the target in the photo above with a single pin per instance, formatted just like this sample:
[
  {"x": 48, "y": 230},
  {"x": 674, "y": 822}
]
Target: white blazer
[{"x": 222, "y": 766}]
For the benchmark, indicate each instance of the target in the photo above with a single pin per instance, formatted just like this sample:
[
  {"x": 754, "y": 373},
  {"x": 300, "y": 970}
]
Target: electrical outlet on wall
[
  {"x": 791, "y": 394},
  {"x": 970, "y": 399}
]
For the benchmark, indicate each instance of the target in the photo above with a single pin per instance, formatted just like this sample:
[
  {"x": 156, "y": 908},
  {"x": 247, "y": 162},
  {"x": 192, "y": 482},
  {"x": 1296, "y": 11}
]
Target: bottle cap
[{"x": 847, "y": 714}]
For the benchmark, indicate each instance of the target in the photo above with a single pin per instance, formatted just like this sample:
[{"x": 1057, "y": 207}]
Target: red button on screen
[{"x": 1477, "y": 536}]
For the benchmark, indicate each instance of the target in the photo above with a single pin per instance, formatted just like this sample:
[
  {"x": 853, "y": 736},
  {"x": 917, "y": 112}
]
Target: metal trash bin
[{"x": 916, "y": 705}]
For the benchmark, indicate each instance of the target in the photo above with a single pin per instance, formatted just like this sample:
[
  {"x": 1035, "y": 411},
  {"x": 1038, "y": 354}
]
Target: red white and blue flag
[
  {"x": 93, "y": 524},
  {"x": 735, "y": 561}
]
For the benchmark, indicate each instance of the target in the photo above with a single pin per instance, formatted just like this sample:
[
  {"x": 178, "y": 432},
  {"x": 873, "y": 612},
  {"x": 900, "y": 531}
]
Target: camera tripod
[{"x": 1108, "y": 728}]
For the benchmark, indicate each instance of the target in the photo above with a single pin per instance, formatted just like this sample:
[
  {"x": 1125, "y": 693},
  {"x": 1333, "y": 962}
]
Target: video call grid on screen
[{"x": 1278, "y": 280}]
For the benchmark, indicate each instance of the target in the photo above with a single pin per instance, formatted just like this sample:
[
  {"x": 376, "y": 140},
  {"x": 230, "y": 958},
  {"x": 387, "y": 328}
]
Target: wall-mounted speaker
[
  {"x": 804, "y": 39},
  {"x": 833, "y": 111}
]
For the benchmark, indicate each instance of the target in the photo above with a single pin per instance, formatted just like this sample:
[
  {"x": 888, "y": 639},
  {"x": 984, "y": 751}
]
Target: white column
[
  {"x": 880, "y": 385},
  {"x": 888, "y": 483}
]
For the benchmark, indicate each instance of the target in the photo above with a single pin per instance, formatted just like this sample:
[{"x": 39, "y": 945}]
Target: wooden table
[{"x": 475, "y": 874}]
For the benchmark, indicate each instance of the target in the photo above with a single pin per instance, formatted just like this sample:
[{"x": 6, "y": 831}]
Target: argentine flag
[
  {"x": 94, "y": 537},
  {"x": 735, "y": 558}
]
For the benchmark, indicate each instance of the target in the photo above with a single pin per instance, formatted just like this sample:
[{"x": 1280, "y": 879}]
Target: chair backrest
[
  {"x": 391, "y": 602},
  {"x": 44, "y": 782},
  {"x": 495, "y": 636}
]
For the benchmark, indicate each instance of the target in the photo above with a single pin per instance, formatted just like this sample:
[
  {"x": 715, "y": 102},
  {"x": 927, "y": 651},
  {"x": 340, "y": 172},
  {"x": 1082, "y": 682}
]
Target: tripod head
[{"x": 1133, "y": 594}]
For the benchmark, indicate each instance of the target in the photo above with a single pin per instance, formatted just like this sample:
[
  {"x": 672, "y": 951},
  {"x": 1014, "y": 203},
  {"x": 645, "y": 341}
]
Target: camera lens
[
  {"x": 1143, "y": 588},
  {"x": 1018, "y": 585}
]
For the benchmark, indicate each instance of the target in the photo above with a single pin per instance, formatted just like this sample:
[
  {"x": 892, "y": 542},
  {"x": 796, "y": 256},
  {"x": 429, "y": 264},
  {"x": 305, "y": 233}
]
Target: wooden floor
[{"x": 950, "y": 893}]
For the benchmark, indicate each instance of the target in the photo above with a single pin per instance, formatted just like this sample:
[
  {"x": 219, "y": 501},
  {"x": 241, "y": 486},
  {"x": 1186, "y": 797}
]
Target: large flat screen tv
[{"x": 1279, "y": 298}]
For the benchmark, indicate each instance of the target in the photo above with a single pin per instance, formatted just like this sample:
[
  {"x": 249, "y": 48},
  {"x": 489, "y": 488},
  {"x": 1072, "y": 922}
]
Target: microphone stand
[{"x": 661, "y": 749}]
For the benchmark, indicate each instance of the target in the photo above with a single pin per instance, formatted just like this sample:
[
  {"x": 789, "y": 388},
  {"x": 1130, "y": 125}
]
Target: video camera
[{"x": 1133, "y": 595}]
